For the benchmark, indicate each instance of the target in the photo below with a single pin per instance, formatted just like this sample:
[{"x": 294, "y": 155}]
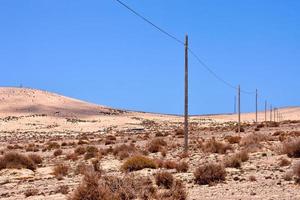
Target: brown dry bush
[
  {"x": 57, "y": 152},
  {"x": 124, "y": 151},
  {"x": 177, "y": 192},
  {"x": 209, "y": 173},
  {"x": 31, "y": 192},
  {"x": 95, "y": 186},
  {"x": 52, "y": 145},
  {"x": 164, "y": 179},
  {"x": 63, "y": 189},
  {"x": 72, "y": 156},
  {"x": 235, "y": 161},
  {"x": 16, "y": 161},
  {"x": 292, "y": 148},
  {"x": 80, "y": 150},
  {"x": 156, "y": 145},
  {"x": 91, "y": 152},
  {"x": 182, "y": 167},
  {"x": 31, "y": 147},
  {"x": 254, "y": 139},
  {"x": 252, "y": 178},
  {"x": 214, "y": 146},
  {"x": 296, "y": 171},
  {"x": 284, "y": 162},
  {"x": 37, "y": 159},
  {"x": 60, "y": 170},
  {"x": 169, "y": 164},
  {"x": 233, "y": 139},
  {"x": 137, "y": 163}
]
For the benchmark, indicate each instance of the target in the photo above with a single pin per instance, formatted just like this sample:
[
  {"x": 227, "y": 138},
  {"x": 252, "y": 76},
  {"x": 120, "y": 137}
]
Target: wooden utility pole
[
  {"x": 271, "y": 109},
  {"x": 239, "y": 109},
  {"x": 256, "y": 104},
  {"x": 234, "y": 108},
  {"x": 186, "y": 100},
  {"x": 266, "y": 105}
]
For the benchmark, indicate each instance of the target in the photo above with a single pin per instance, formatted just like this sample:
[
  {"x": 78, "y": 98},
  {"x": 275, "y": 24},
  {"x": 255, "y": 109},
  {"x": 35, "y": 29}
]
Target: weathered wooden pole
[
  {"x": 239, "y": 109},
  {"x": 186, "y": 100}
]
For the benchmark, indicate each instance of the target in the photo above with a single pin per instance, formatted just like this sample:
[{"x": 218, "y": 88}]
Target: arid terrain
[{"x": 54, "y": 147}]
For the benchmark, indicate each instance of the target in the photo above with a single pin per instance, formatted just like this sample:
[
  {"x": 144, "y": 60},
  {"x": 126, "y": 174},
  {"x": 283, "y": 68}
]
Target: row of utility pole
[{"x": 275, "y": 115}]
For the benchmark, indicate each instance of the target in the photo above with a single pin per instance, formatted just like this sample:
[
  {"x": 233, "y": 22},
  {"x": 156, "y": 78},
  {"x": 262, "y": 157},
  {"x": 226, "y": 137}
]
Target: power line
[
  {"x": 202, "y": 63},
  {"x": 149, "y": 22}
]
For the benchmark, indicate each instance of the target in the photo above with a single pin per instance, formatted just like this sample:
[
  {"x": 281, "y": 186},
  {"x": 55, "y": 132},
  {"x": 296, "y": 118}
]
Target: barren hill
[{"x": 23, "y": 101}]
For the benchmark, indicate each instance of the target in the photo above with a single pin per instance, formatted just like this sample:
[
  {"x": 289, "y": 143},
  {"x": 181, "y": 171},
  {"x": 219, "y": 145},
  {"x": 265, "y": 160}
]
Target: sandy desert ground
[{"x": 54, "y": 147}]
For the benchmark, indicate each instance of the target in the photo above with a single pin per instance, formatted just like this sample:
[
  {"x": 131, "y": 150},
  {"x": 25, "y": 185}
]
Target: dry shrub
[
  {"x": 278, "y": 133},
  {"x": 235, "y": 161},
  {"x": 179, "y": 131},
  {"x": 60, "y": 170},
  {"x": 233, "y": 139},
  {"x": 97, "y": 166},
  {"x": 182, "y": 167},
  {"x": 272, "y": 124},
  {"x": 91, "y": 189},
  {"x": 80, "y": 150},
  {"x": 16, "y": 161},
  {"x": 82, "y": 168},
  {"x": 214, "y": 146},
  {"x": 164, "y": 179},
  {"x": 177, "y": 192},
  {"x": 252, "y": 178},
  {"x": 37, "y": 159},
  {"x": 124, "y": 151},
  {"x": 296, "y": 171},
  {"x": 31, "y": 192},
  {"x": 169, "y": 164},
  {"x": 31, "y": 147},
  {"x": 82, "y": 142},
  {"x": 72, "y": 156},
  {"x": 156, "y": 145},
  {"x": 138, "y": 162},
  {"x": 254, "y": 139},
  {"x": 292, "y": 148},
  {"x": 95, "y": 187},
  {"x": 52, "y": 145},
  {"x": 63, "y": 189},
  {"x": 14, "y": 147},
  {"x": 57, "y": 152},
  {"x": 284, "y": 162},
  {"x": 91, "y": 152},
  {"x": 209, "y": 173}
]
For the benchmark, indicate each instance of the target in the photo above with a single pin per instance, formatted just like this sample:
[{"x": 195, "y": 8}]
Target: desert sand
[{"x": 30, "y": 120}]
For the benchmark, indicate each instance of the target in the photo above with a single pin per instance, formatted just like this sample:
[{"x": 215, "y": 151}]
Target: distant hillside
[{"x": 24, "y": 101}]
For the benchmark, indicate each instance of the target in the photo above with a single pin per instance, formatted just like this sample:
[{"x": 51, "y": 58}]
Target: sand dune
[{"x": 23, "y": 101}]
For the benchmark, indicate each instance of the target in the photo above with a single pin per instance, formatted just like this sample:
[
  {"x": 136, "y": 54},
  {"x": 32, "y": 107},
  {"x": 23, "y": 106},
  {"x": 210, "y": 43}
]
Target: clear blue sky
[{"x": 99, "y": 52}]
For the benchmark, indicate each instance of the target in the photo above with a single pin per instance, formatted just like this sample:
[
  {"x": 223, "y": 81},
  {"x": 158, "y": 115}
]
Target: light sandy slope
[
  {"x": 21, "y": 101},
  {"x": 44, "y": 111}
]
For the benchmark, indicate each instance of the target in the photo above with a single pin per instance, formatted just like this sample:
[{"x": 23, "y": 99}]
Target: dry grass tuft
[
  {"x": 292, "y": 148},
  {"x": 182, "y": 167},
  {"x": 209, "y": 173},
  {"x": 16, "y": 161},
  {"x": 156, "y": 145},
  {"x": 233, "y": 139},
  {"x": 214, "y": 146},
  {"x": 124, "y": 151},
  {"x": 57, "y": 152},
  {"x": 236, "y": 160},
  {"x": 91, "y": 152},
  {"x": 284, "y": 162},
  {"x": 80, "y": 150},
  {"x": 37, "y": 159},
  {"x": 164, "y": 179},
  {"x": 60, "y": 170},
  {"x": 137, "y": 163},
  {"x": 31, "y": 192}
]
